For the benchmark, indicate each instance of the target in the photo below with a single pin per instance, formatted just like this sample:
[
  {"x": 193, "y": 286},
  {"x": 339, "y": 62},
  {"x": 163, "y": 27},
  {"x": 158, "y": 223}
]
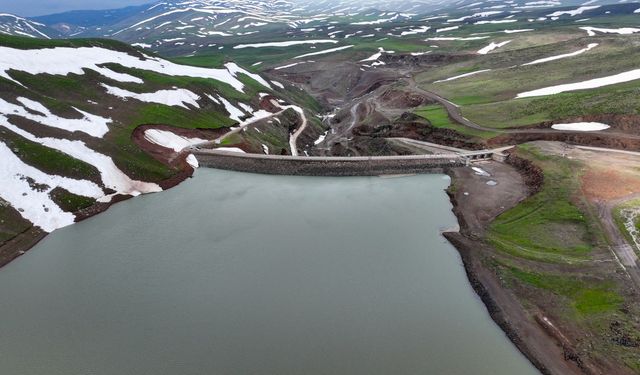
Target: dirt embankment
[
  {"x": 422, "y": 61},
  {"x": 371, "y": 140},
  {"x": 476, "y": 204}
]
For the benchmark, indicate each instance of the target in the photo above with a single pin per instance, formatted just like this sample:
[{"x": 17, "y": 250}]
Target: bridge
[{"x": 342, "y": 166}]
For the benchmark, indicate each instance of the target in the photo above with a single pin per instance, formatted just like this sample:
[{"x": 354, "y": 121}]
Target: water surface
[{"x": 233, "y": 273}]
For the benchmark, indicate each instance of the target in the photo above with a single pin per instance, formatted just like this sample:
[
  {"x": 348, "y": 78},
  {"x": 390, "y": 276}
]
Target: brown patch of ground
[
  {"x": 394, "y": 98},
  {"x": 478, "y": 201},
  {"x": 608, "y": 175},
  {"x": 606, "y": 184}
]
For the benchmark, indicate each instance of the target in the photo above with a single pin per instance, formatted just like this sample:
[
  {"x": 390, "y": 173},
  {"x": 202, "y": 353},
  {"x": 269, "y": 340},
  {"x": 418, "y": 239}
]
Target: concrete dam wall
[{"x": 327, "y": 166}]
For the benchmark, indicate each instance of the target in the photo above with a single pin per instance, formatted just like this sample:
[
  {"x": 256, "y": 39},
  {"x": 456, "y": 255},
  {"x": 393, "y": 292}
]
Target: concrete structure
[{"x": 337, "y": 166}]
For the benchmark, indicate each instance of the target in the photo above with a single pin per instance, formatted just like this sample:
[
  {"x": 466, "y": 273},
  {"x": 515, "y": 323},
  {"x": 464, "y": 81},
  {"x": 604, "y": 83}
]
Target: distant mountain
[
  {"x": 75, "y": 22},
  {"x": 14, "y": 25},
  {"x": 188, "y": 27}
]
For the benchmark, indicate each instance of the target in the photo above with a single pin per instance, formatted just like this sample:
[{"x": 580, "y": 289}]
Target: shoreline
[{"x": 547, "y": 354}]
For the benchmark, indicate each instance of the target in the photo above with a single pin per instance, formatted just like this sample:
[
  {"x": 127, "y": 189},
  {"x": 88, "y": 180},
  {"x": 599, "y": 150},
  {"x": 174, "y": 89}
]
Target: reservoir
[{"x": 233, "y": 273}]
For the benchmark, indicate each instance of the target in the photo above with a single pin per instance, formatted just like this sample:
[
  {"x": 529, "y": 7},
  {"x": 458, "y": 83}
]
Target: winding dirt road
[{"x": 293, "y": 139}]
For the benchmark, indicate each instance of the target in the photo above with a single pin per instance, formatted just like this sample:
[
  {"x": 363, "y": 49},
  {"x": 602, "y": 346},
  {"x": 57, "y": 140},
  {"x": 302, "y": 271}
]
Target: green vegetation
[
  {"x": 70, "y": 202},
  {"x": 550, "y": 251},
  {"x": 48, "y": 160},
  {"x": 493, "y": 104},
  {"x": 620, "y": 99},
  {"x": 548, "y": 226},
  {"x": 36, "y": 43},
  {"x": 586, "y": 297},
  {"x": 439, "y": 118},
  {"x": 215, "y": 60},
  {"x": 11, "y": 223}
]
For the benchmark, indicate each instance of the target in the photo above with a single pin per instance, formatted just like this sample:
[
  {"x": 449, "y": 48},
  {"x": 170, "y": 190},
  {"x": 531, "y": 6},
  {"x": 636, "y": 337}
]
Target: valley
[{"x": 531, "y": 108}]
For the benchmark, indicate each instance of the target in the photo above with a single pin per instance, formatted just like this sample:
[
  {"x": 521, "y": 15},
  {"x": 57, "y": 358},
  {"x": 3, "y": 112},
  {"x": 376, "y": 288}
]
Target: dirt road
[{"x": 622, "y": 250}]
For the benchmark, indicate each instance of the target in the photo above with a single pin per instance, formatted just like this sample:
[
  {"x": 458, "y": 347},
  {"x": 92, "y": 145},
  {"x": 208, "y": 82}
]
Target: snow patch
[
  {"x": 170, "y": 140},
  {"x": 589, "y": 84},
  {"x": 34, "y": 202},
  {"x": 93, "y": 125},
  {"x": 176, "y": 97},
  {"x": 581, "y": 126},
  {"x": 66, "y": 60},
  {"x": 573, "y": 12},
  {"x": 557, "y": 57},
  {"x": 462, "y": 75},
  {"x": 323, "y": 52},
  {"x": 285, "y": 44},
  {"x": 112, "y": 177},
  {"x": 592, "y": 31},
  {"x": 492, "y": 46}
]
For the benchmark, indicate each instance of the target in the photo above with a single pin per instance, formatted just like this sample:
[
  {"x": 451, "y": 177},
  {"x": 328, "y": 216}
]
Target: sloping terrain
[
  {"x": 201, "y": 27},
  {"x": 14, "y": 25},
  {"x": 70, "y": 125}
]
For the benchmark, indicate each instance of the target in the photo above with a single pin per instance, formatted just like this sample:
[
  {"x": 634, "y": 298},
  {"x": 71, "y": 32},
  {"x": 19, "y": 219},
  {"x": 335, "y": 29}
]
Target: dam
[{"x": 341, "y": 166}]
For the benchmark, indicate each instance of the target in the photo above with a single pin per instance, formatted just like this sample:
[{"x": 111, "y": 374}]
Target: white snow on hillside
[
  {"x": 285, "y": 44},
  {"x": 170, "y": 140},
  {"x": 234, "y": 112},
  {"x": 492, "y": 46},
  {"x": 495, "y": 21},
  {"x": 462, "y": 75},
  {"x": 330, "y": 50},
  {"x": 321, "y": 138},
  {"x": 234, "y": 69},
  {"x": 558, "y": 57},
  {"x": 419, "y": 30},
  {"x": 378, "y": 21},
  {"x": 447, "y": 29},
  {"x": 33, "y": 202},
  {"x": 448, "y": 38},
  {"x": 581, "y": 126},
  {"x": 93, "y": 125},
  {"x": 513, "y": 31},
  {"x": 230, "y": 149},
  {"x": 476, "y": 15},
  {"x": 177, "y": 97},
  {"x": 573, "y": 12},
  {"x": 64, "y": 60},
  {"x": 592, "y": 31},
  {"x": 377, "y": 55},
  {"x": 589, "y": 84},
  {"x": 112, "y": 177},
  {"x": 34, "y": 205},
  {"x": 13, "y": 24}
]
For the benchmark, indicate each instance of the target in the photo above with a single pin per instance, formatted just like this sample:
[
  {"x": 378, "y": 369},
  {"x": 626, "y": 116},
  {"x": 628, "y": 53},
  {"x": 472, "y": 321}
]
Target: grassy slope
[
  {"x": 545, "y": 248},
  {"x": 538, "y": 228},
  {"x": 61, "y": 93},
  {"x": 492, "y": 102},
  {"x": 439, "y": 118}
]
